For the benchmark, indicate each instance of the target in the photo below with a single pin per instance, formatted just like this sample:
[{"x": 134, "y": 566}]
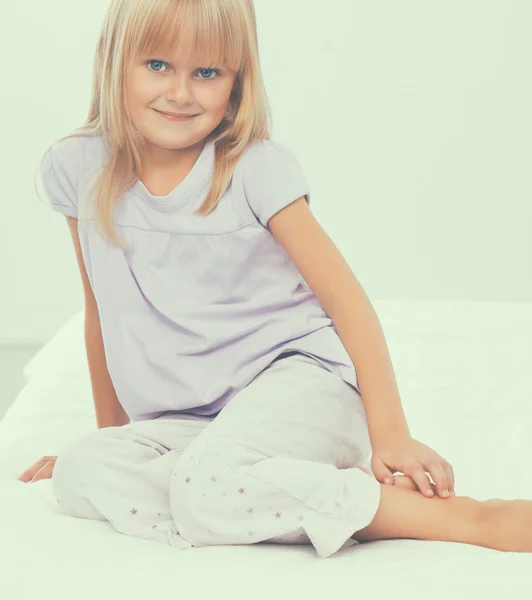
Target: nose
[{"x": 179, "y": 90}]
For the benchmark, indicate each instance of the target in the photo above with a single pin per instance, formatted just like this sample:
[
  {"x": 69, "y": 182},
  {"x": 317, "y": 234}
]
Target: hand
[
  {"x": 405, "y": 454},
  {"x": 404, "y": 482},
  {"x": 42, "y": 469}
]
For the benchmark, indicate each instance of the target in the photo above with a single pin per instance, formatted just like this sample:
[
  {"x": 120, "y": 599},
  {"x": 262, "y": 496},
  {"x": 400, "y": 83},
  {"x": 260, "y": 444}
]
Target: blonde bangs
[
  {"x": 205, "y": 31},
  {"x": 209, "y": 34}
]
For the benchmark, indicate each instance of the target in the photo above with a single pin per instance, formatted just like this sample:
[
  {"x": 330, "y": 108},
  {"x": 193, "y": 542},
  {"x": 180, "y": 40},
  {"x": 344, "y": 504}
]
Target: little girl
[{"x": 222, "y": 325}]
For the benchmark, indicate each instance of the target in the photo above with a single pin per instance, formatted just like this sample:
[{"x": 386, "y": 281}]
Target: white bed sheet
[{"x": 465, "y": 375}]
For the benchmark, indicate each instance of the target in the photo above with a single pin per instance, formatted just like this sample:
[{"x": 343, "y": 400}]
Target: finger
[
  {"x": 381, "y": 471},
  {"x": 405, "y": 482},
  {"x": 44, "y": 472},
  {"x": 29, "y": 473},
  {"x": 449, "y": 474},
  {"x": 417, "y": 473},
  {"x": 439, "y": 476},
  {"x": 39, "y": 471},
  {"x": 26, "y": 476}
]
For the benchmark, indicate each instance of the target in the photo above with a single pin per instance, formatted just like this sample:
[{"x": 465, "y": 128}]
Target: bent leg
[
  {"x": 407, "y": 513},
  {"x": 280, "y": 463},
  {"x": 122, "y": 475}
]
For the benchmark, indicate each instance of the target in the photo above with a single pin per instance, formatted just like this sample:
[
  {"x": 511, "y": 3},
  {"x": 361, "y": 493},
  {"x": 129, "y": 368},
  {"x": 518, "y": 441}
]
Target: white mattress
[{"x": 465, "y": 374}]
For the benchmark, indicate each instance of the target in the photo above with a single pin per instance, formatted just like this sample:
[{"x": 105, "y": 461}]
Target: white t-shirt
[{"x": 201, "y": 304}]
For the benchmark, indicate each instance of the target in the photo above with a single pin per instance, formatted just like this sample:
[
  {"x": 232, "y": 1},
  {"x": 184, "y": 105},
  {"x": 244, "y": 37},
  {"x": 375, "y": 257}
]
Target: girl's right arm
[{"x": 109, "y": 411}]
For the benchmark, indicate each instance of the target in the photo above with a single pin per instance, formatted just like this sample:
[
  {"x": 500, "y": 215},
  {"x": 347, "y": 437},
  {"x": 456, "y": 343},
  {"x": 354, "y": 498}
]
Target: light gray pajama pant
[{"x": 277, "y": 464}]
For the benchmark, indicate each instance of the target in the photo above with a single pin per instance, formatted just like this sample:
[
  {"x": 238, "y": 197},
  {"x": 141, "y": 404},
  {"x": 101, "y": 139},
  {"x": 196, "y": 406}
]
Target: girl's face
[{"x": 160, "y": 83}]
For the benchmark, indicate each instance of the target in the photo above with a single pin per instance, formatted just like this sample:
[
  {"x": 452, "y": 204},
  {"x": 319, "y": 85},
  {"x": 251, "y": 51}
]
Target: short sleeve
[
  {"x": 58, "y": 170},
  {"x": 273, "y": 178}
]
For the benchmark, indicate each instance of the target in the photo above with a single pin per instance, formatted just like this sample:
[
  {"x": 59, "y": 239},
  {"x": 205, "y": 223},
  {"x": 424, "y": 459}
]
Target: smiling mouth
[{"x": 174, "y": 117}]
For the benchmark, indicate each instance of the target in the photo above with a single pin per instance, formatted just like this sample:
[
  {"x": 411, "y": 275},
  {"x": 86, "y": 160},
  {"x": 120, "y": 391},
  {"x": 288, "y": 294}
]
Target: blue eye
[
  {"x": 155, "y": 61},
  {"x": 212, "y": 71},
  {"x": 199, "y": 70}
]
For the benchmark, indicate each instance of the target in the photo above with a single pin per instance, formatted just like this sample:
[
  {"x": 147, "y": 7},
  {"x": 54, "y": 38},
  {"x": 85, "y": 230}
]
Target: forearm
[
  {"x": 109, "y": 411},
  {"x": 358, "y": 326}
]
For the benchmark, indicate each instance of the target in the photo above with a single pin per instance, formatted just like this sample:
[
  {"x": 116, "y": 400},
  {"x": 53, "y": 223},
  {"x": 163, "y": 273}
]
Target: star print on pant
[
  {"x": 211, "y": 505},
  {"x": 134, "y": 511}
]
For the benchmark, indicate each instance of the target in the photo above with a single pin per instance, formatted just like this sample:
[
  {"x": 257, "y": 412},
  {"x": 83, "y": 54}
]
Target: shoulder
[
  {"x": 271, "y": 177},
  {"x": 272, "y": 164},
  {"x": 71, "y": 156},
  {"x": 64, "y": 166},
  {"x": 267, "y": 154},
  {"x": 268, "y": 162},
  {"x": 72, "y": 151}
]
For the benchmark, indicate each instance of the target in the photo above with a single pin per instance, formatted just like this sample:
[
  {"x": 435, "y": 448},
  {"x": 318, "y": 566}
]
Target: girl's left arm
[{"x": 342, "y": 297}]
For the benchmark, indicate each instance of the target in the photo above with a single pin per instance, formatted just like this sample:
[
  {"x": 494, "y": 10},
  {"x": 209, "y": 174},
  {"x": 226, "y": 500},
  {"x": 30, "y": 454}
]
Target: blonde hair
[{"x": 222, "y": 32}]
